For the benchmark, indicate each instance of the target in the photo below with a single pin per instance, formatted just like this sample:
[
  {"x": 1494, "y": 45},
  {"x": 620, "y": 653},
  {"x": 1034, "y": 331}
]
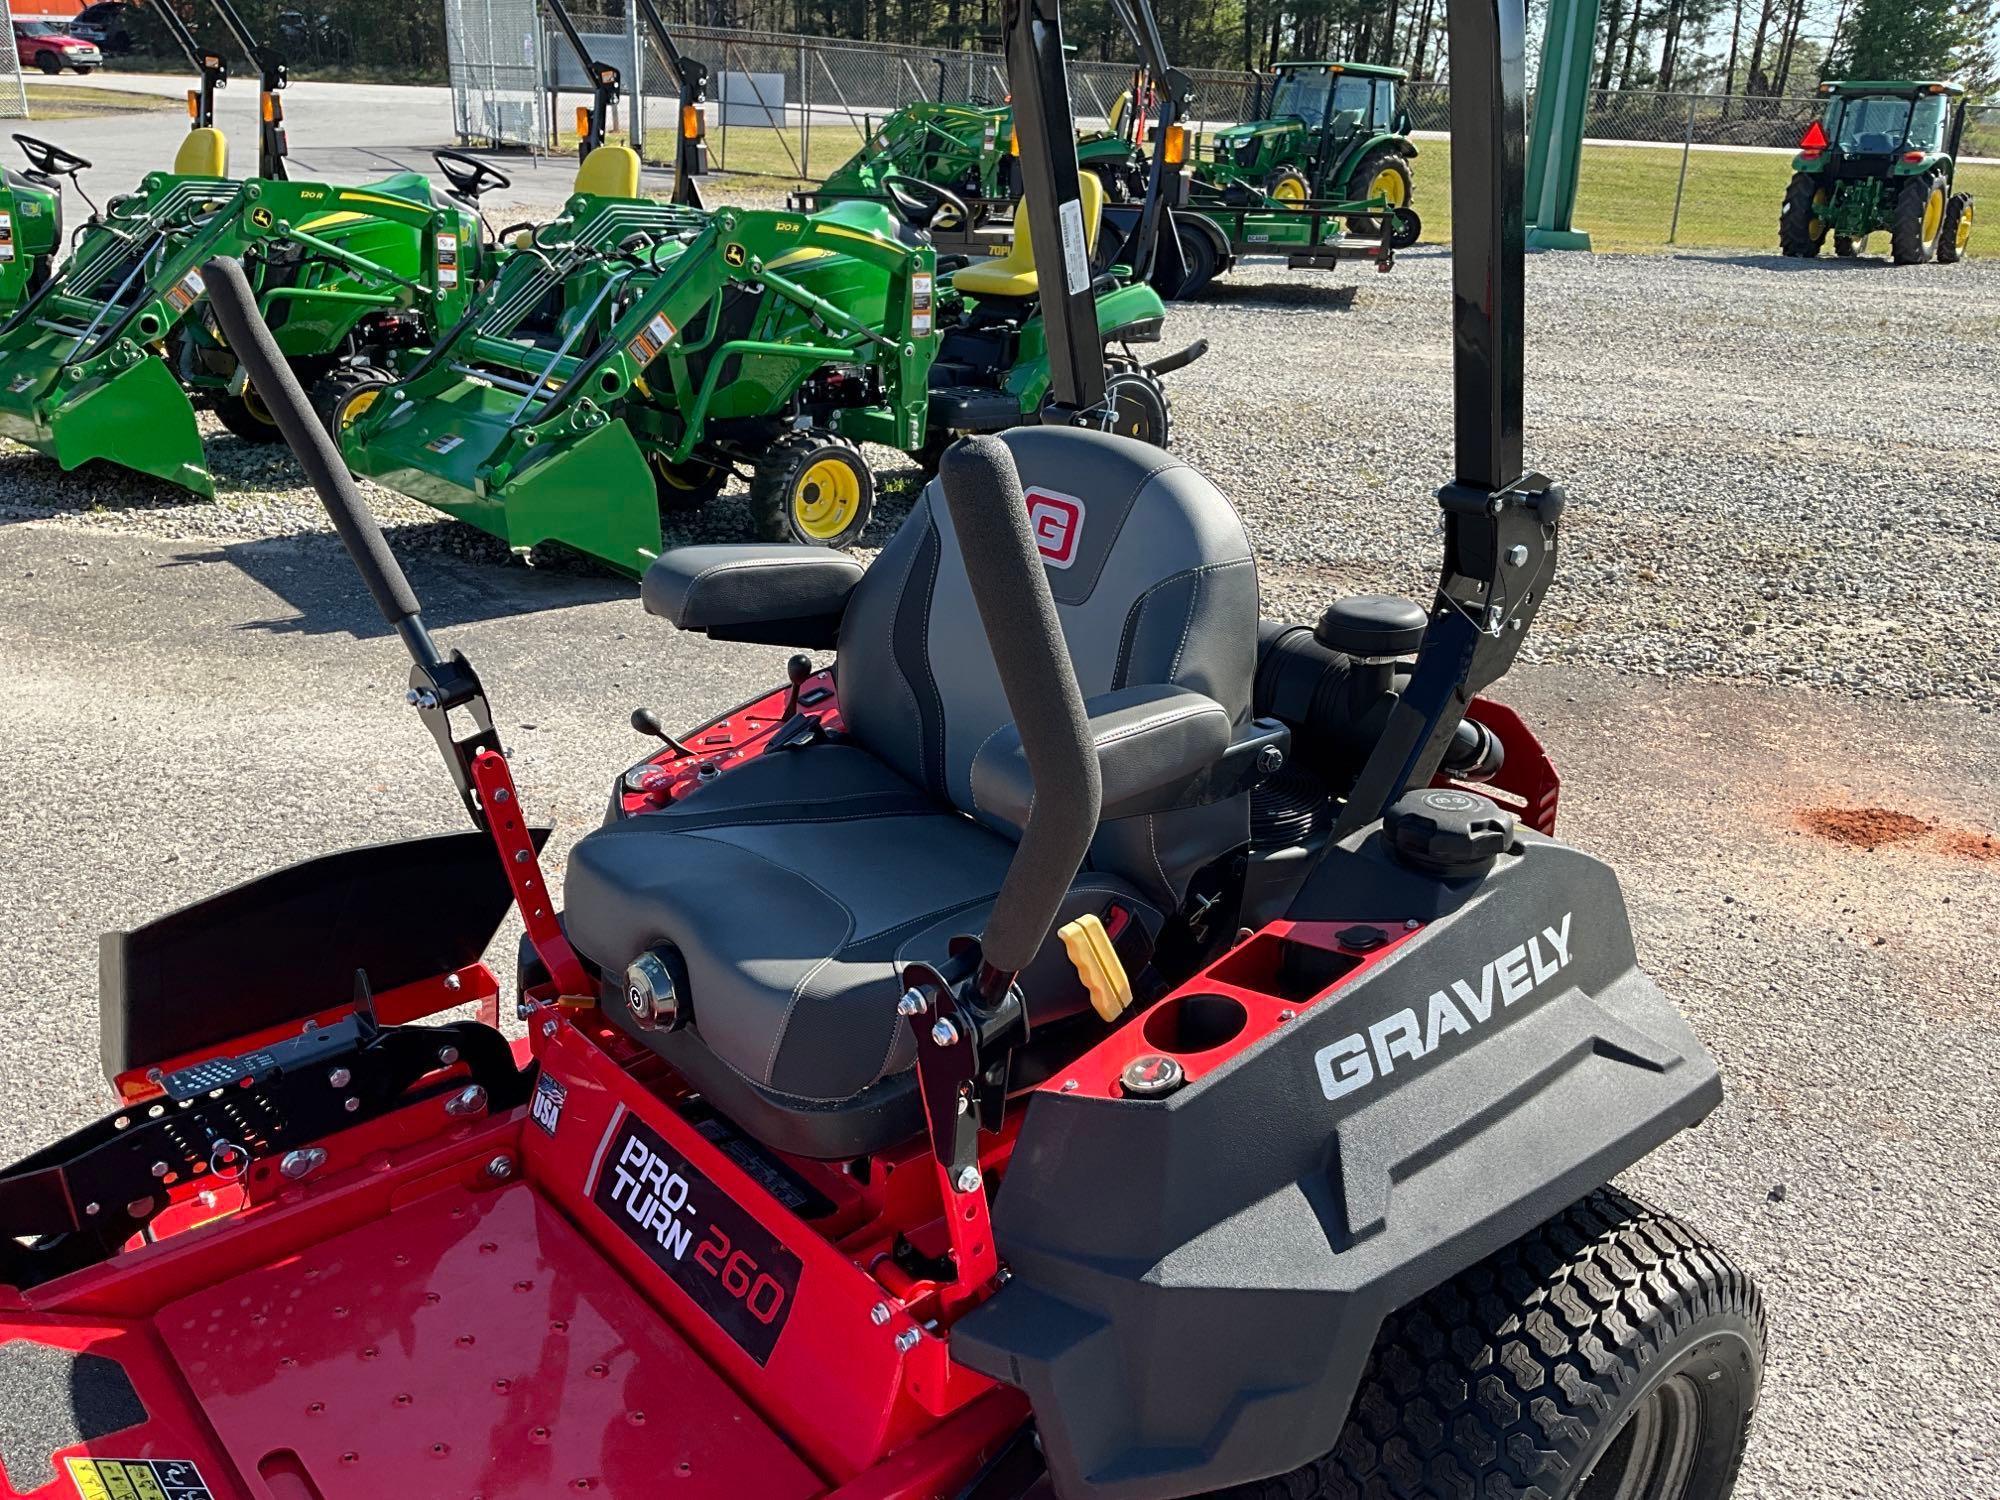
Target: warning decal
[
  {"x": 6, "y": 235},
  {"x": 447, "y": 260},
  {"x": 1076, "y": 248},
  {"x": 181, "y": 295},
  {"x": 650, "y": 340},
  {"x": 138, "y": 1479},
  {"x": 920, "y": 303}
]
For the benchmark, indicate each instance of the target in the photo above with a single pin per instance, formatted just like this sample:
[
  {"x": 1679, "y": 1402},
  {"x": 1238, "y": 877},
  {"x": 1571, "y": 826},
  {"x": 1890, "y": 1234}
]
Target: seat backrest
[
  {"x": 204, "y": 152},
  {"x": 608, "y": 172},
  {"x": 1013, "y": 274},
  {"x": 1155, "y": 586}
]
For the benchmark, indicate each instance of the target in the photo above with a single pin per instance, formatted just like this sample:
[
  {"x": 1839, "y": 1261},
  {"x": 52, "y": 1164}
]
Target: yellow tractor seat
[
  {"x": 204, "y": 153},
  {"x": 1118, "y": 107},
  {"x": 609, "y": 172},
  {"x": 1013, "y": 274}
]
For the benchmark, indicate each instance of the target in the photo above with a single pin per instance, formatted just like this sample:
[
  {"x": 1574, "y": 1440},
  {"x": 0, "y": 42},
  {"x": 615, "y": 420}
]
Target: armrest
[
  {"x": 771, "y": 593},
  {"x": 1152, "y": 743}
]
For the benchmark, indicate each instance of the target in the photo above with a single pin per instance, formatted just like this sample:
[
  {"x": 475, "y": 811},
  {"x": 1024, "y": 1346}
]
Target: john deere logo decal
[
  {"x": 263, "y": 218},
  {"x": 735, "y": 254}
]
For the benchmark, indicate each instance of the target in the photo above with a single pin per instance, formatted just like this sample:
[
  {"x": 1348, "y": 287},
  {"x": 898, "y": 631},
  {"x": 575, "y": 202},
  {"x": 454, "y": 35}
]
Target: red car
[{"x": 51, "y": 48}]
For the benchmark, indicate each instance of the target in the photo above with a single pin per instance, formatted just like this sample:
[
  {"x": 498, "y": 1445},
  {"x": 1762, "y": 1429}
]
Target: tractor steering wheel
[
  {"x": 469, "y": 175},
  {"x": 48, "y": 158},
  {"x": 919, "y": 203}
]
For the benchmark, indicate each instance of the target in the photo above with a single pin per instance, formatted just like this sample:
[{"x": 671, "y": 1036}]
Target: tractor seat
[
  {"x": 1013, "y": 275},
  {"x": 787, "y": 893},
  {"x": 204, "y": 152},
  {"x": 608, "y": 172}
]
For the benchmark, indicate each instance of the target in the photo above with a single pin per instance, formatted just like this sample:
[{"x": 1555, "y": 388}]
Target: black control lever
[{"x": 647, "y": 722}]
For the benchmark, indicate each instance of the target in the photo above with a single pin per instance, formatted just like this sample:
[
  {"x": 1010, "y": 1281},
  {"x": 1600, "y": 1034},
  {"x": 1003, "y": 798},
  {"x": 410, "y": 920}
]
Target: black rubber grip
[
  {"x": 250, "y": 338},
  {"x": 1011, "y": 589}
]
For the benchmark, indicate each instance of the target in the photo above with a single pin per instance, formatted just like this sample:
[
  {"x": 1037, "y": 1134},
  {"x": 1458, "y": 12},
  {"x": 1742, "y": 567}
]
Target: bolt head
[
  {"x": 912, "y": 1003},
  {"x": 1516, "y": 555},
  {"x": 968, "y": 1181},
  {"x": 339, "y": 1078},
  {"x": 880, "y": 1313},
  {"x": 501, "y": 794},
  {"x": 944, "y": 1033},
  {"x": 352, "y": 1106},
  {"x": 453, "y": 982},
  {"x": 301, "y": 1163},
  {"x": 447, "y": 1056},
  {"x": 907, "y": 1340},
  {"x": 548, "y": 1028},
  {"x": 1270, "y": 759},
  {"x": 522, "y": 856},
  {"x": 500, "y": 1168},
  {"x": 470, "y": 1100}
]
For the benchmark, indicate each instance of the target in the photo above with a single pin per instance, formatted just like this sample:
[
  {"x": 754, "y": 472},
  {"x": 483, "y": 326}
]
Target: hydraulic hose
[
  {"x": 982, "y": 489},
  {"x": 250, "y": 339}
]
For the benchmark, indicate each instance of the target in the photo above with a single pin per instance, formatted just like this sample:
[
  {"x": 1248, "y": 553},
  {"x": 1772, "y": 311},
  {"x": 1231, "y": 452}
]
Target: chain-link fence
[
  {"x": 497, "y": 71},
  {"x": 13, "y": 86},
  {"x": 1700, "y": 171}
]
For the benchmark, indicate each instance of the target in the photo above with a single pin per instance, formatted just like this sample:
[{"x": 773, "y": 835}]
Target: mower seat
[
  {"x": 792, "y": 887},
  {"x": 1013, "y": 275},
  {"x": 204, "y": 152},
  {"x": 608, "y": 172}
]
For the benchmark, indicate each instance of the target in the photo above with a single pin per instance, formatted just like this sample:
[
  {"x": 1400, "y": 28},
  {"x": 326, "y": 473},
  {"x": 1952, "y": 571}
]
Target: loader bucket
[
  {"x": 592, "y": 492},
  {"x": 138, "y": 417}
]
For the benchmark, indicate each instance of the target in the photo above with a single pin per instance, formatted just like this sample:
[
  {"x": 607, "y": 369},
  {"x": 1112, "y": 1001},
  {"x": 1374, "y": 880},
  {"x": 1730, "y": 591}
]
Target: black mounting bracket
[
  {"x": 436, "y": 690},
  {"x": 967, "y": 1019}
]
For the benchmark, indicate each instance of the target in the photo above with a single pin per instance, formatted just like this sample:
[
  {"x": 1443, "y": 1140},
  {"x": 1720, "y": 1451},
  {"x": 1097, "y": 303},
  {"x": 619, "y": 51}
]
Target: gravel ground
[{"x": 1764, "y": 485}]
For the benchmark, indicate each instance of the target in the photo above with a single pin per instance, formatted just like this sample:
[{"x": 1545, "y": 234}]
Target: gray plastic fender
[{"x": 1196, "y": 1281}]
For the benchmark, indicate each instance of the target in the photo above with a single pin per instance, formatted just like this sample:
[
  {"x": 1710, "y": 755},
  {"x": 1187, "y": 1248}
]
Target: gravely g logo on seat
[
  {"x": 1357, "y": 1060},
  {"x": 1057, "y": 521},
  {"x": 733, "y": 1268}
]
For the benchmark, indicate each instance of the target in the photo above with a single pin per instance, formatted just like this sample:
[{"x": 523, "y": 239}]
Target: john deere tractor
[
  {"x": 31, "y": 218},
  {"x": 1324, "y": 130},
  {"x": 1881, "y": 158}
]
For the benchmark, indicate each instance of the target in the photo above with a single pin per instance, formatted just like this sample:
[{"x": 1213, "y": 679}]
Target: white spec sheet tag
[{"x": 1076, "y": 251}]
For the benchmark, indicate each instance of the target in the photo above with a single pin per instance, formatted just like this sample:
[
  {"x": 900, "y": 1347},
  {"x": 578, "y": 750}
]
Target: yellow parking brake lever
[{"x": 1097, "y": 965}]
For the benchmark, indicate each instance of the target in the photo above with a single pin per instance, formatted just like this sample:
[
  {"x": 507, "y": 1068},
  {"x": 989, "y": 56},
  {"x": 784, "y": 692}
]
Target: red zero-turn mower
[{"x": 1083, "y": 1044}]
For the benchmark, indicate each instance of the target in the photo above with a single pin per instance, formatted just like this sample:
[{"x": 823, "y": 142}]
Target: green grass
[
  {"x": 1625, "y": 198},
  {"x": 74, "y": 101}
]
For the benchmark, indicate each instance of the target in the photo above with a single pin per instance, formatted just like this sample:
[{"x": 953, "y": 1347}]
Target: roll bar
[
  {"x": 691, "y": 82},
  {"x": 1153, "y": 235},
  {"x": 1045, "y": 125},
  {"x": 272, "y": 76},
  {"x": 604, "y": 80}
]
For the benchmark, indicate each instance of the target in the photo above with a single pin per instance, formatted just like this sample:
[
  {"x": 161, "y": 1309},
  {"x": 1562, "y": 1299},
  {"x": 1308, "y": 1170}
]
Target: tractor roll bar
[
  {"x": 604, "y": 80},
  {"x": 210, "y": 64},
  {"x": 1176, "y": 89},
  {"x": 1045, "y": 125},
  {"x": 691, "y": 83}
]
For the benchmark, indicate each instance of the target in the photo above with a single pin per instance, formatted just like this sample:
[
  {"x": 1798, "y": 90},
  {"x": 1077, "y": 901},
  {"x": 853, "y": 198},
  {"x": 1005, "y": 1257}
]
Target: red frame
[{"x": 373, "y": 1392}]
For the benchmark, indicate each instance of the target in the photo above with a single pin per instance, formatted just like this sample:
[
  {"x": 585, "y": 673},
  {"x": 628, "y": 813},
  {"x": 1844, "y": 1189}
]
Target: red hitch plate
[{"x": 465, "y": 1345}]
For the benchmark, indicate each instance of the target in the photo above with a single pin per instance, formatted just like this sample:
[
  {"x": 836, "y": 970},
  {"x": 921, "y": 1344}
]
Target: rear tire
[
  {"x": 1920, "y": 211},
  {"x": 1957, "y": 232},
  {"x": 1610, "y": 1337},
  {"x": 812, "y": 488},
  {"x": 342, "y": 395},
  {"x": 1139, "y": 405},
  {"x": 1801, "y": 232},
  {"x": 1198, "y": 252},
  {"x": 246, "y": 416},
  {"x": 1393, "y": 171}
]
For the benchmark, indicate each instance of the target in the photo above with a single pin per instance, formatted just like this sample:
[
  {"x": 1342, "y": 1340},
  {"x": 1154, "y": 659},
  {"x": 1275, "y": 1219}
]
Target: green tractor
[
  {"x": 31, "y": 218},
  {"x": 1881, "y": 158},
  {"x": 962, "y": 147},
  {"x": 645, "y": 353},
  {"x": 1330, "y": 131}
]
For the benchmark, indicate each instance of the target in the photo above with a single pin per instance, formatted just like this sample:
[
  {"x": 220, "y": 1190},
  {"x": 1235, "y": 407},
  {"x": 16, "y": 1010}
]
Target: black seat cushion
[{"x": 794, "y": 887}]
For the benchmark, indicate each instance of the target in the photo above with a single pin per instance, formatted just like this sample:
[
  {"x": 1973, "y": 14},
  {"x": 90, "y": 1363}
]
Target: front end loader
[{"x": 105, "y": 360}]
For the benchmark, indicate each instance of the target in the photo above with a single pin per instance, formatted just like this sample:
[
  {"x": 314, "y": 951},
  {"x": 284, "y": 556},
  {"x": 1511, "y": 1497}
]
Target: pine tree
[{"x": 1894, "y": 39}]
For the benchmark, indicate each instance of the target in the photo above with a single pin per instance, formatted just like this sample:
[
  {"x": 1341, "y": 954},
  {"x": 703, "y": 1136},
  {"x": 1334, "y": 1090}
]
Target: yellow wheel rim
[
  {"x": 673, "y": 476},
  {"x": 826, "y": 499},
  {"x": 1933, "y": 214},
  {"x": 1815, "y": 227},
  {"x": 254, "y": 404},
  {"x": 1289, "y": 190},
  {"x": 355, "y": 406},
  {"x": 1964, "y": 235},
  {"x": 1388, "y": 184}
]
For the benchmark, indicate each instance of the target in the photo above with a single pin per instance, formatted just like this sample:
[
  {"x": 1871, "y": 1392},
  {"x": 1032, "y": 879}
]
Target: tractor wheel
[
  {"x": 246, "y": 415},
  {"x": 1289, "y": 186},
  {"x": 814, "y": 488},
  {"x": 1611, "y": 1352},
  {"x": 1801, "y": 231},
  {"x": 1138, "y": 404},
  {"x": 687, "y": 486},
  {"x": 1957, "y": 231},
  {"x": 1920, "y": 209},
  {"x": 344, "y": 394},
  {"x": 1198, "y": 255},
  {"x": 1382, "y": 174}
]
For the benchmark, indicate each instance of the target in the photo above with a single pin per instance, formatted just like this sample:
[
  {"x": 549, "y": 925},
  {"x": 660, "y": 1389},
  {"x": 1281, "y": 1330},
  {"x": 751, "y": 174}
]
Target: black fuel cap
[{"x": 1446, "y": 832}]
